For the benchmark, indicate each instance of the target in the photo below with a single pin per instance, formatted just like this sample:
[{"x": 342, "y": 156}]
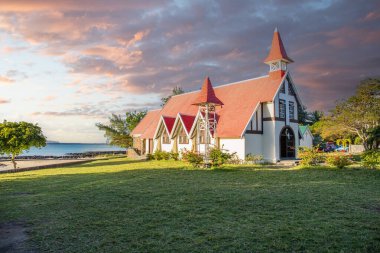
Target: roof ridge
[{"x": 222, "y": 85}]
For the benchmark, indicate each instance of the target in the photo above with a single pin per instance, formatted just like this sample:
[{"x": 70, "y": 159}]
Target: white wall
[
  {"x": 234, "y": 145},
  {"x": 253, "y": 144},
  {"x": 181, "y": 147}
]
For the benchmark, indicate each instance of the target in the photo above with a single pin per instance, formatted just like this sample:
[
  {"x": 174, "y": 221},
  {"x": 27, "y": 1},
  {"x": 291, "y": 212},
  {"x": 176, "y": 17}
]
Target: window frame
[
  {"x": 282, "y": 102},
  {"x": 291, "y": 110}
]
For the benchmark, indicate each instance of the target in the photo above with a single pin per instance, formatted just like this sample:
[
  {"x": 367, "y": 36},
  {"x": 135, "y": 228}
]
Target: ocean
[{"x": 59, "y": 149}]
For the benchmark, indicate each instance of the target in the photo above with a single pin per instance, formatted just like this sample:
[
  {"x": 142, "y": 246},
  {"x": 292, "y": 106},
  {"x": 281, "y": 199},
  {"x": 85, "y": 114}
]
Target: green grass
[{"x": 119, "y": 205}]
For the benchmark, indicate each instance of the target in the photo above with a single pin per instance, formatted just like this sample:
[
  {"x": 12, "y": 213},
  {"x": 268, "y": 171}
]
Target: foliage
[
  {"x": 338, "y": 160},
  {"x": 195, "y": 159},
  {"x": 165, "y": 155},
  {"x": 371, "y": 159},
  {"x": 149, "y": 157},
  {"x": 16, "y": 137},
  {"x": 310, "y": 156},
  {"x": 308, "y": 118},
  {"x": 165, "y": 208},
  {"x": 174, "y": 156},
  {"x": 133, "y": 118},
  {"x": 119, "y": 129},
  {"x": 218, "y": 157},
  {"x": 176, "y": 91},
  {"x": 158, "y": 155},
  {"x": 358, "y": 115},
  {"x": 254, "y": 158}
]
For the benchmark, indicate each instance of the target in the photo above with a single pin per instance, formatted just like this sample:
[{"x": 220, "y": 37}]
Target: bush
[
  {"x": 253, "y": 158},
  {"x": 218, "y": 157},
  {"x": 149, "y": 156},
  {"x": 193, "y": 158},
  {"x": 338, "y": 160},
  {"x": 309, "y": 156},
  {"x": 165, "y": 155},
  {"x": 371, "y": 159},
  {"x": 174, "y": 156},
  {"x": 158, "y": 155}
]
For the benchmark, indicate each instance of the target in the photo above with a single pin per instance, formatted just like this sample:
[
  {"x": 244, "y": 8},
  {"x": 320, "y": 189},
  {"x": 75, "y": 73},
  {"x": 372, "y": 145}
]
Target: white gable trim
[
  {"x": 253, "y": 113},
  {"x": 158, "y": 127}
]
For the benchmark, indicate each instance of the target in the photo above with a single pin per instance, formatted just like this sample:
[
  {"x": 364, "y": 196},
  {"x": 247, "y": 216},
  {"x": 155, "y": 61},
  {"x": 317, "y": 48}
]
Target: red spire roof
[
  {"x": 207, "y": 94},
  {"x": 277, "y": 51}
]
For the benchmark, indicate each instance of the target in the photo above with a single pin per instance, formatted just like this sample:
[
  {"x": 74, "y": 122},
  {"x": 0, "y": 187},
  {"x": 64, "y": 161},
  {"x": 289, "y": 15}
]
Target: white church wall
[
  {"x": 268, "y": 141},
  {"x": 268, "y": 110},
  {"x": 234, "y": 145},
  {"x": 253, "y": 144}
]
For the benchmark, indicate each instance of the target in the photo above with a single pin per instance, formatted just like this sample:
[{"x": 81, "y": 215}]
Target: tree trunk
[{"x": 13, "y": 161}]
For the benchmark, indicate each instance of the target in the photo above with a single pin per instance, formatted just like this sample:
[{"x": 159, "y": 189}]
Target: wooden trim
[
  {"x": 253, "y": 132},
  {"x": 293, "y": 120},
  {"x": 273, "y": 119},
  {"x": 257, "y": 121}
]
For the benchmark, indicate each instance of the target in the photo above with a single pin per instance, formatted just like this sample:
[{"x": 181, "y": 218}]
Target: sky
[{"x": 69, "y": 64}]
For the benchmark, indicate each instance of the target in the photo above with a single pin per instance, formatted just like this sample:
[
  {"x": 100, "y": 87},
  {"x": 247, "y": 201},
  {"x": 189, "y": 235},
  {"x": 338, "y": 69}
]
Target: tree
[
  {"x": 176, "y": 91},
  {"x": 308, "y": 118},
  {"x": 119, "y": 129},
  {"x": 359, "y": 114},
  {"x": 16, "y": 137}
]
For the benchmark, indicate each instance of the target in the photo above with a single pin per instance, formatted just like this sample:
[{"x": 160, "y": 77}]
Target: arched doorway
[{"x": 287, "y": 143}]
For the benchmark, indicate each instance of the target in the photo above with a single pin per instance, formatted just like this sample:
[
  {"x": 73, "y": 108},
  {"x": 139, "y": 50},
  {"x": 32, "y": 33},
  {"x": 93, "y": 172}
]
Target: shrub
[
  {"x": 371, "y": 159},
  {"x": 309, "y": 156},
  {"x": 338, "y": 160},
  {"x": 193, "y": 158},
  {"x": 234, "y": 159},
  {"x": 174, "y": 156},
  {"x": 165, "y": 155},
  {"x": 253, "y": 158},
  {"x": 149, "y": 156},
  {"x": 158, "y": 155},
  {"x": 218, "y": 157}
]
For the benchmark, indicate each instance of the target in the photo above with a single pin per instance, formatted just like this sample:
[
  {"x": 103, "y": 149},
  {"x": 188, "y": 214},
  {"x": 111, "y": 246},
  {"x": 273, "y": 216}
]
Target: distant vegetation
[
  {"x": 118, "y": 131},
  {"x": 176, "y": 91},
  {"x": 16, "y": 137},
  {"x": 356, "y": 118}
]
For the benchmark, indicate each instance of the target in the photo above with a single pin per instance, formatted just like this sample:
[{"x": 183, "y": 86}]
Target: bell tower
[
  {"x": 277, "y": 58},
  {"x": 207, "y": 101}
]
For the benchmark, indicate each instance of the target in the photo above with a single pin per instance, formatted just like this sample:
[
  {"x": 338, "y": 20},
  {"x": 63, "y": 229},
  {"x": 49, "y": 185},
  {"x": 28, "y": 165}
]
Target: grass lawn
[{"x": 119, "y": 205}]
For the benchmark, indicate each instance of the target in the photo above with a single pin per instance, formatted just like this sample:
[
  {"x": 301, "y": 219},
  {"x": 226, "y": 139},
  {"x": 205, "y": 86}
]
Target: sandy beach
[{"x": 22, "y": 165}]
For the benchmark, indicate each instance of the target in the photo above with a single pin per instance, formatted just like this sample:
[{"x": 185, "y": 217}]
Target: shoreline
[
  {"x": 67, "y": 156},
  {"x": 25, "y": 165}
]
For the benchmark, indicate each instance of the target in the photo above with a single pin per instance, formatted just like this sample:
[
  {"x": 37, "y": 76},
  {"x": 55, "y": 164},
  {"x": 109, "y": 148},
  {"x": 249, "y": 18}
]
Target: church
[{"x": 257, "y": 116}]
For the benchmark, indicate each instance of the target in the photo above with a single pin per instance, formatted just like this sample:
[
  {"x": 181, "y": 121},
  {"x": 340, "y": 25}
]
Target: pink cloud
[
  {"x": 349, "y": 36},
  {"x": 4, "y": 101},
  {"x": 49, "y": 98},
  {"x": 6, "y": 80}
]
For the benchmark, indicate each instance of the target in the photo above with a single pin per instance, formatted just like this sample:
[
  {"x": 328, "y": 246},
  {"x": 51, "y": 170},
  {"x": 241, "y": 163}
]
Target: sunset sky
[{"x": 69, "y": 64}]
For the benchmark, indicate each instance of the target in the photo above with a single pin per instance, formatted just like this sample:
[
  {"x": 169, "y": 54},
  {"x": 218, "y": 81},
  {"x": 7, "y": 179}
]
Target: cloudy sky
[{"x": 69, "y": 64}]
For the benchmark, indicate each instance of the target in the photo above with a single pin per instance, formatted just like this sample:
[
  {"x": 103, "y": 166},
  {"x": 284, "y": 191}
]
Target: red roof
[
  {"x": 169, "y": 122},
  {"x": 150, "y": 118},
  {"x": 207, "y": 94},
  {"x": 240, "y": 100},
  {"x": 188, "y": 121},
  {"x": 277, "y": 51}
]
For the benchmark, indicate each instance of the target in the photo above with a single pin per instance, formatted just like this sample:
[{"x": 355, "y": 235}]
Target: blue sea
[{"x": 59, "y": 149}]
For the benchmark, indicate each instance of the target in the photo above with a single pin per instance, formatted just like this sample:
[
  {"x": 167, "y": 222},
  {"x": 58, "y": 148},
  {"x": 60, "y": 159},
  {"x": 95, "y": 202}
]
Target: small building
[
  {"x": 306, "y": 137},
  {"x": 256, "y": 116}
]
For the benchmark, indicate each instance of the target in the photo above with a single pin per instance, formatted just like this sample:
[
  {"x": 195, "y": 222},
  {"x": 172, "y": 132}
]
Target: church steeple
[
  {"x": 207, "y": 95},
  {"x": 277, "y": 58}
]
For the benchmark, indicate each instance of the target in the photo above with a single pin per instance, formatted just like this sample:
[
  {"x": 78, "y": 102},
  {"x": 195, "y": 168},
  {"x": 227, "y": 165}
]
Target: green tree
[
  {"x": 16, "y": 137},
  {"x": 358, "y": 115},
  {"x": 119, "y": 129},
  {"x": 176, "y": 91}
]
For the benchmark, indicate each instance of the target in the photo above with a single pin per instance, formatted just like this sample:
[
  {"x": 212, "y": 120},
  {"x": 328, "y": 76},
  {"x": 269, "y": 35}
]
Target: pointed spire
[
  {"x": 207, "y": 94},
  {"x": 277, "y": 51}
]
